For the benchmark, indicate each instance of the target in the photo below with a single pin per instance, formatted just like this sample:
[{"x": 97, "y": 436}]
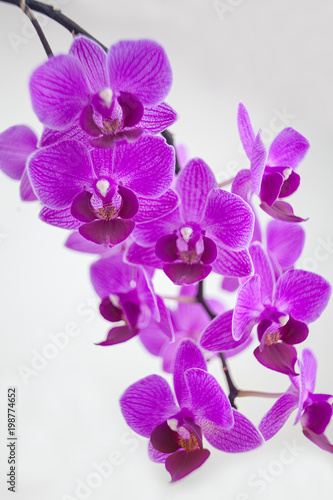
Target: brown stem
[
  {"x": 57, "y": 16},
  {"x": 36, "y": 25},
  {"x": 233, "y": 391}
]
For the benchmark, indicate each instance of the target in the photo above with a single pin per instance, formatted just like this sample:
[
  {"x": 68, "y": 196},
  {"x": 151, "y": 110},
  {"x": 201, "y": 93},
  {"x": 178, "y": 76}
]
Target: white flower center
[
  {"x": 106, "y": 94},
  {"x": 186, "y": 233},
  {"x": 103, "y": 186},
  {"x": 286, "y": 173},
  {"x": 173, "y": 424},
  {"x": 283, "y": 320}
]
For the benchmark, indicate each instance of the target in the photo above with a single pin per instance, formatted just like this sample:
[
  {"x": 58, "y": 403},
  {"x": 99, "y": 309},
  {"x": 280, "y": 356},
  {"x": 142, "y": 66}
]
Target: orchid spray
[{"x": 106, "y": 169}]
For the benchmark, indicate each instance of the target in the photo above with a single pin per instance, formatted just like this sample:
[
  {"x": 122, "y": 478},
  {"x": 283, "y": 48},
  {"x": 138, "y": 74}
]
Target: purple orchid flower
[
  {"x": 127, "y": 295},
  {"x": 113, "y": 97},
  {"x": 97, "y": 191},
  {"x": 271, "y": 176},
  {"x": 17, "y": 143},
  {"x": 210, "y": 230},
  {"x": 314, "y": 410},
  {"x": 176, "y": 430},
  {"x": 282, "y": 309}
]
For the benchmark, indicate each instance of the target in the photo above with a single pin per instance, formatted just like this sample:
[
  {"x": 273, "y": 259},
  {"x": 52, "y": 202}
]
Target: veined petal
[
  {"x": 278, "y": 415},
  {"x": 286, "y": 241},
  {"x": 153, "y": 209},
  {"x": 262, "y": 266},
  {"x": 209, "y": 404},
  {"x": 193, "y": 185},
  {"x": 93, "y": 60},
  {"x": 141, "y": 68},
  {"x": 302, "y": 294},
  {"x": 288, "y": 149},
  {"x": 59, "y": 91},
  {"x": 59, "y": 218},
  {"x": 157, "y": 119},
  {"x": 230, "y": 263},
  {"x": 248, "y": 308},
  {"x": 229, "y": 219},
  {"x": 26, "y": 191},
  {"x": 16, "y": 145},
  {"x": 217, "y": 336},
  {"x": 242, "y": 185},
  {"x": 308, "y": 370},
  {"x": 148, "y": 233},
  {"x": 143, "y": 256},
  {"x": 148, "y": 403},
  {"x": 243, "y": 436},
  {"x": 145, "y": 166},
  {"x": 111, "y": 275},
  {"x": 245, "y": 129},
  {"x": 188, "y": 356},
  {"x": 60, "y": 172},
  {"x": 258, "y": 159}
]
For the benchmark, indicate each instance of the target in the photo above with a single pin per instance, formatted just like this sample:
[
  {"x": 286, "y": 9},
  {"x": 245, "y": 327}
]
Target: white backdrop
[{"x": 276, "y": 57}]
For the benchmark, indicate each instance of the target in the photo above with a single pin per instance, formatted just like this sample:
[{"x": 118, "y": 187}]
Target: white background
[{"x": 276, "y": 57}]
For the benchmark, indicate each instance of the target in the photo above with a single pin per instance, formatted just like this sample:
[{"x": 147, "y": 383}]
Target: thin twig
[
  {"x": 36, "y": 25},
  {"x": 57, "y": 16},
  {"x": 259, "y": 394}
]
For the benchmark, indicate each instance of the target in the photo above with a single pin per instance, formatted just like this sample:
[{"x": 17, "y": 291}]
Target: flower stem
[
  {"x": 226, "y": 183},
  {"x": 233, "y": 391},
  {"x": 36, "y": 25},
  {"x": 169, "y": 138},
  {"x": 57, "y": 16},
  {"x": 259, "y": 394}
]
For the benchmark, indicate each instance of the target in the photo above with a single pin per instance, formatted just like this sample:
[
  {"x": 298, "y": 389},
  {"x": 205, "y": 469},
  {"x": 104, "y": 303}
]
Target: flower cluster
[{"x": 104, "y": 168}]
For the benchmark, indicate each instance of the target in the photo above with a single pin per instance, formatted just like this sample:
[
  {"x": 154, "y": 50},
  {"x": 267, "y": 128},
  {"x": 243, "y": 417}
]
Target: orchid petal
[
  {"x": 93, "y": 60},
  {"x": 245, "y": 129},
  {"x": 302, "y": 294},
  {"x": 188, "y": 356},
  {"x": 59, "y": 91},
  {"x": 141, "y": 68},
  {"x": 243, "y": 436},
  {"x": 147, "y": 404},
  {"x": 16, "y": 145},
  {"x": 182, "y": 462},
  {"x": 248, "y": 308},
  {"x": 278, "y": 415},
  {"x": 288, "y": 149}
]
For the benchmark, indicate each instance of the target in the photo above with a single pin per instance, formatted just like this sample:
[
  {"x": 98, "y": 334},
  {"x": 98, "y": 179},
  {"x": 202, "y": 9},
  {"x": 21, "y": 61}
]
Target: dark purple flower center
[
  {"x": 188, "y": 244},
  {"x": 107, "y": 115}
]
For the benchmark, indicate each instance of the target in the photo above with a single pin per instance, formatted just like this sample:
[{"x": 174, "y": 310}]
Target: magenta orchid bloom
[
  {"x": 127, "y": 296},
  {"x": 314, "y": 410},
  {"x": 271, "y": 176},
  {"x": 113, "y": 97},
  {"x": 17, "y": 143},
  {"x": 176, "y": 427},
  {"x": 282, "y": 309},
  {"x": 210, "y": 230},
  {"x": 98, "y": 191}
]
